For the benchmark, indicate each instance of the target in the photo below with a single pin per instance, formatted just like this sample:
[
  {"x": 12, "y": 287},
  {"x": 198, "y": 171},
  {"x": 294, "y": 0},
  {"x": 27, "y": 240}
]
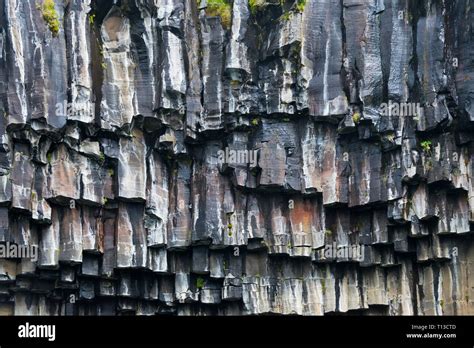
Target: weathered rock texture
[{"x": 109, "y": 158}]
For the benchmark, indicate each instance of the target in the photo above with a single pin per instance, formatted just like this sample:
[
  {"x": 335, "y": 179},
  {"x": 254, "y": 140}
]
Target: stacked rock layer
[{"x": 114, "y": 118}]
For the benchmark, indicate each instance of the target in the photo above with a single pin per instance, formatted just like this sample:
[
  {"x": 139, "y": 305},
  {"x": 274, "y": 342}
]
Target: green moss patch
[
  {"x": 256, "y": 5},
  {"x": 222, "y": 9},
  {"x": 50, "y": 16}
]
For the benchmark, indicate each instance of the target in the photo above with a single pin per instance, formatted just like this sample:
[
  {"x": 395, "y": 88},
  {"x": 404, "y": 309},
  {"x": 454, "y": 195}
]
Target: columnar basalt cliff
[{"x": 220, "y": 157}]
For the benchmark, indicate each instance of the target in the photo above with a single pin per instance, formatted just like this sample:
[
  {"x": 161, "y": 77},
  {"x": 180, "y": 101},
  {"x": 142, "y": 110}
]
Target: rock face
[{"x": 185, "y": 157}]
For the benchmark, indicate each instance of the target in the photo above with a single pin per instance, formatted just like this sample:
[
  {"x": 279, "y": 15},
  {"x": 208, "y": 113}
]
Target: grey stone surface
[{"x": 163, "y": 158}]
